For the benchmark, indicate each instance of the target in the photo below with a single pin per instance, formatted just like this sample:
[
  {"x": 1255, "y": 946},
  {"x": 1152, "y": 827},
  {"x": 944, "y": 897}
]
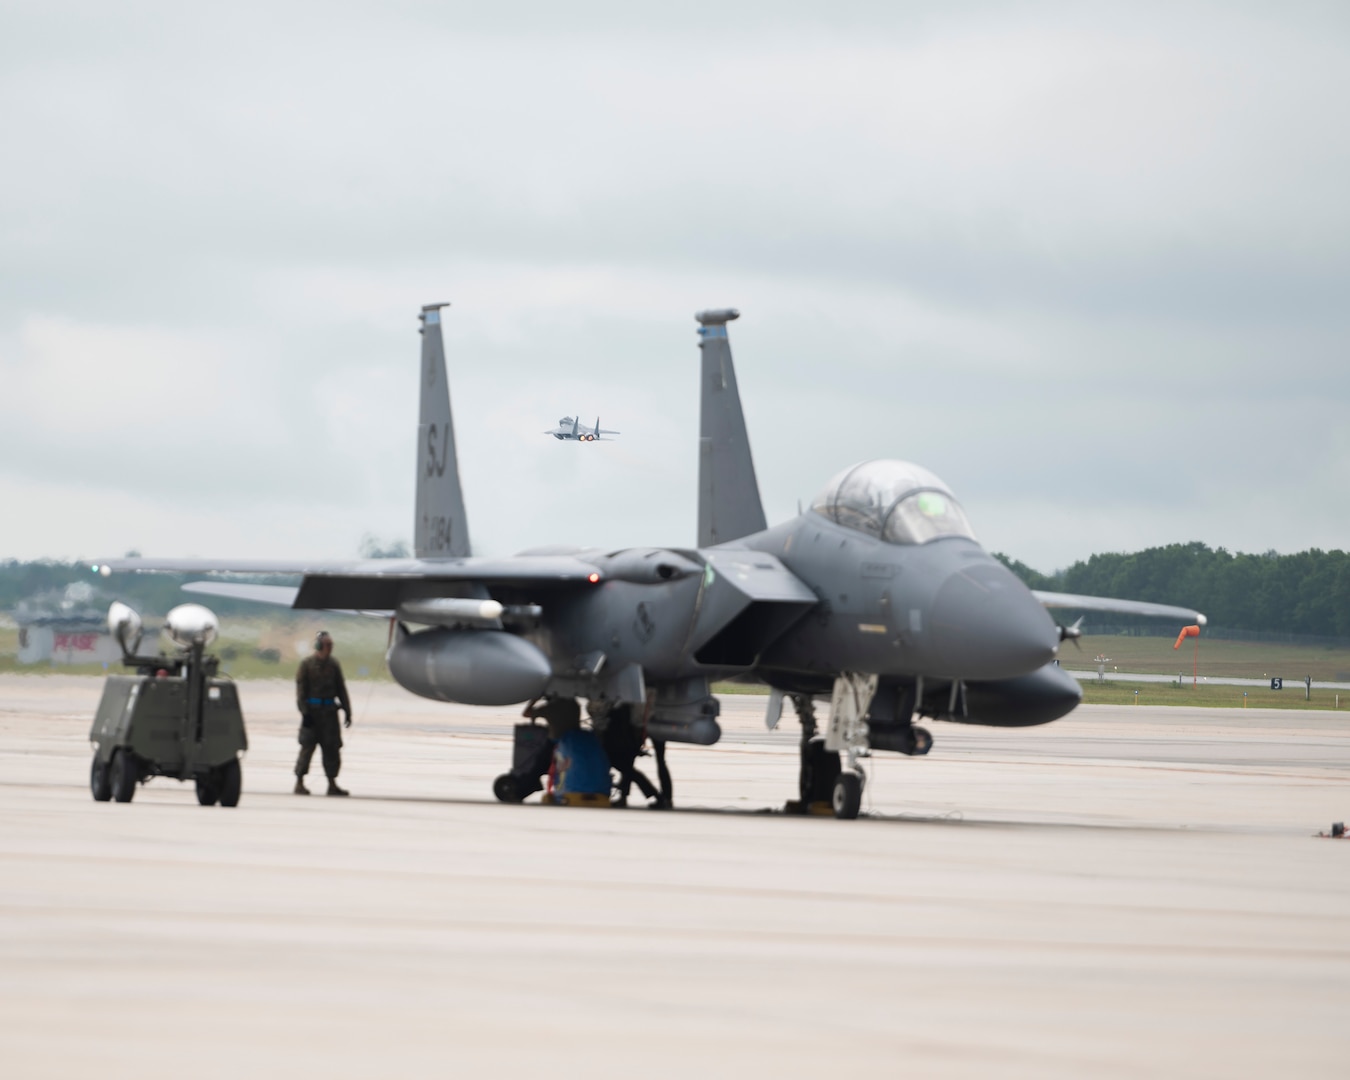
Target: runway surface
[
  {"x": 1128, "y": 892},
  {"x": 1290, "y": 685}
]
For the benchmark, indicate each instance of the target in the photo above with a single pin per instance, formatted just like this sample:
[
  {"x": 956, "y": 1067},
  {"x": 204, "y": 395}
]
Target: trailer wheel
[
  {"x": 208, "y": 787},
  {"x": 124, "y": 774},
  {"x": 231, "y": 780},
  {"x": 100, "y": 783}
]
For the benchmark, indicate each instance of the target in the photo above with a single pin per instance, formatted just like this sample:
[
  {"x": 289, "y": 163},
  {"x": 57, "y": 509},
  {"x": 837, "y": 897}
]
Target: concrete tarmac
[{"x": 1127, "y": 892}]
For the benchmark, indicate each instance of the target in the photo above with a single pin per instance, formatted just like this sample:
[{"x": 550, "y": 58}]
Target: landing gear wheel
[
  {"x": 123, "y": 773},
  {"x": 231, "y": 776},
  {"x": 100, "y": 783},
  {"x": 506, "y": 789},
  {"x": 847, "y": 798},
  {"x": 208, "y": 787}
]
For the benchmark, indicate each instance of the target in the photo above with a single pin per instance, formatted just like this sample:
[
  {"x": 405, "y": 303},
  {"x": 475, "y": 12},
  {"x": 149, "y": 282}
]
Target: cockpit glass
[
  {"x": 897, "y": 501},
  {"x": 924, "y": 516}
]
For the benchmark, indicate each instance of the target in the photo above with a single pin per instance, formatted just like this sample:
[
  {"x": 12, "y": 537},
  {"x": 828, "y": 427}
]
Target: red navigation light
[{"x": 593, "y": 578}]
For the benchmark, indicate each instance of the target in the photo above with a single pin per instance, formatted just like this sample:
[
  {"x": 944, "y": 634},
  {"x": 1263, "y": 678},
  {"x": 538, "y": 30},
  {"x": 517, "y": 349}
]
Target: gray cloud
[{"x": 1088, "y": 265}]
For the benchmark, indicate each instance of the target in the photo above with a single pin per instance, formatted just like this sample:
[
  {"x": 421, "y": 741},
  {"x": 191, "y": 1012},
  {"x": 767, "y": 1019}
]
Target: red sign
[{"x": 75, "y": 642}]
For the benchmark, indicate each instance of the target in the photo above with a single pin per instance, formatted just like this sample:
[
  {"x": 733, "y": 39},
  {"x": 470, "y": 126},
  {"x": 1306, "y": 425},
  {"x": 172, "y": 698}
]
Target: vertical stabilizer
[
  {"x": 728, "y": 494},
  {"x": 441, "y": 528}
]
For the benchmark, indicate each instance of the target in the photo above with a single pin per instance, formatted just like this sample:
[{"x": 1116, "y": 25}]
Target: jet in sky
[
  {"x": 876, "y": 599},
  {"x": 569, "y": 429}
]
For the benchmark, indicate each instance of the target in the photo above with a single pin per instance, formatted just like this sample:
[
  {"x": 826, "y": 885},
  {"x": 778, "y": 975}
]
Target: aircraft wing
[
  {"x": 1122, "y": 607},
  {"x": 370, "y": 584},
  {"x": 512, "y": 568}
]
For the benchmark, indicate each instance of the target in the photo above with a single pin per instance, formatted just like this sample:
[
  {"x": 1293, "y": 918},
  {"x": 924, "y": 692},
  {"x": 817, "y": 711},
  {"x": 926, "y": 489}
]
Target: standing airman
[{"x": 319, "y": 693}]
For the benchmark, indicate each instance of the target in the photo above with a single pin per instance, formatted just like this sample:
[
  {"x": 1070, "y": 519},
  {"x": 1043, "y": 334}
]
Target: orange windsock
[{"x": 1186, "y": 631}]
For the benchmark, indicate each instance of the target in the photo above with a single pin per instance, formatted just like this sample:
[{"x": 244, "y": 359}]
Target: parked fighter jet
[
  {"x": 878, "y": 598},
  {"x": 569, "y": 428}
]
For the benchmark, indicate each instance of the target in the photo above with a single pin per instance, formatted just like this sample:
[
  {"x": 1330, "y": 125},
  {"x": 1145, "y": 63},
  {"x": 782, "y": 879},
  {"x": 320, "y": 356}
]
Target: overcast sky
[{"x": 1088, "y": 263}]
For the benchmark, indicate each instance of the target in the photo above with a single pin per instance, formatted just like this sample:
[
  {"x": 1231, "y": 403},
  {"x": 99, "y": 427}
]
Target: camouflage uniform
[{"x": 319, "y": 692}]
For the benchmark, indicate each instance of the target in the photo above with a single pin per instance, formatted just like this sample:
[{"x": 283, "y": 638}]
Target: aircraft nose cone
[{"x": 987, "y": 625}]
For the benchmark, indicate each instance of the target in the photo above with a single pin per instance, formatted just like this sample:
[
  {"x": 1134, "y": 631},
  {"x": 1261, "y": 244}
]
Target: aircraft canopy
[{"x": 897, "y": 501}]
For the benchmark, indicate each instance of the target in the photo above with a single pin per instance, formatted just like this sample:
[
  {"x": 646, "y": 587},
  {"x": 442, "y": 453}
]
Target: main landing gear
[{"x": 534, "y": 744}]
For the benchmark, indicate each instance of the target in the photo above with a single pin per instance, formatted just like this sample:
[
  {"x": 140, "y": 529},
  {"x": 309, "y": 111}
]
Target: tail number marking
[{"x": 436, "y": 533}]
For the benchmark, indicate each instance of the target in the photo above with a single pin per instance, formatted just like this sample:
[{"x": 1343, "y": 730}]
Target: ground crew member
[
  {"x": 623, "y": 744},
  {"x": 319, "y": 693}
]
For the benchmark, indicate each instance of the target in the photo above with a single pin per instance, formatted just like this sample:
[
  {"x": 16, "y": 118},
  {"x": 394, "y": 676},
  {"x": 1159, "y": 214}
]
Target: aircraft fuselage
[{"x": 795, "y": 606}]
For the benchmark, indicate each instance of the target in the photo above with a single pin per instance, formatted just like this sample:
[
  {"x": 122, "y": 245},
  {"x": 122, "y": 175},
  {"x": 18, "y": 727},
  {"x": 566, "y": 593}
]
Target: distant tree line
[{"x": 1304, "y": 593}]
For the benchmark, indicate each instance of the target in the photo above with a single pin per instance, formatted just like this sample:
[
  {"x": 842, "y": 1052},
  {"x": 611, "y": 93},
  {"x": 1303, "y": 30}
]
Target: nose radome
[{"x": 987, "y": 625}]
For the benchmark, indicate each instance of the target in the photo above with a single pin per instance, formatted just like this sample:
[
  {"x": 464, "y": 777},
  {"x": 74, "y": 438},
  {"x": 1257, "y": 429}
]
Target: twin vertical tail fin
[
  {"x": 441, "y": 527},
  {"x": 729, "y": 506}
]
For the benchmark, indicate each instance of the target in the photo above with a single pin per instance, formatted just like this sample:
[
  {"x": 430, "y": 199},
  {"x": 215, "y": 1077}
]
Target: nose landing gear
[
  {"x": 849, "y": 703},
  {"x": 866, "y": 713},
  {"x": 848, "y": 791}
]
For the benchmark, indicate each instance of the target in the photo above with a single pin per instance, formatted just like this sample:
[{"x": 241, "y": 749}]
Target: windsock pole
[{"x": 1191, "y": 631}]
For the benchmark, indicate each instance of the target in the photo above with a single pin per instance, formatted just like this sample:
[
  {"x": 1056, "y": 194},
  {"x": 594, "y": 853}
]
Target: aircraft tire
[
  {"x": 847, "y": 799},
  {"x": 231, "y": 781},
  {"x": 208, "y": 788},
  {"x": 124, "y": 774},
  {"x": 100, "y": 783}
]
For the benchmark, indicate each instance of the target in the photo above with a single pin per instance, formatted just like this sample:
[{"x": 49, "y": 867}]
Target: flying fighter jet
[
  {"x": 569, "y": 428},
  {"x": 877, "y": 598}
]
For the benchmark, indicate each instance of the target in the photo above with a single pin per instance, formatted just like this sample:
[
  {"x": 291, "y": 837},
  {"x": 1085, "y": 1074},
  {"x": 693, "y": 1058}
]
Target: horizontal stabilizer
[{"x": 280, "y": 595}]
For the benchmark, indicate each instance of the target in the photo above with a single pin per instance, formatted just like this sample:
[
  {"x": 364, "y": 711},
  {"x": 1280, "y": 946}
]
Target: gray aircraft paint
[
  {"x": 942, "y": 628},
  {"x": 441, "y": 525},
  {"x": 729, "y": 506},
  {"x": 476, "y": 667}
]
